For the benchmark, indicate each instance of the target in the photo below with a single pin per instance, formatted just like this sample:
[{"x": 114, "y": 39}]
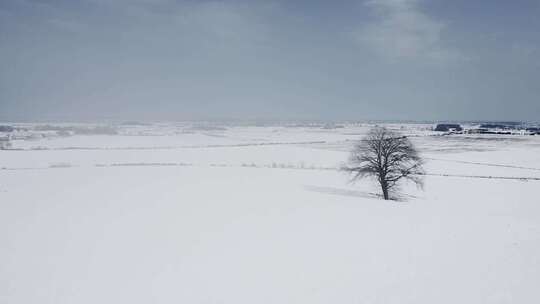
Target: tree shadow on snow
[
  {"x": 342, "y": 192},
  {"x": 396, "y": 197}
]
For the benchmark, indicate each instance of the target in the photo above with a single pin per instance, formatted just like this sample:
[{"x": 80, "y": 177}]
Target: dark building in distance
[{"x": 448, "y": 127}]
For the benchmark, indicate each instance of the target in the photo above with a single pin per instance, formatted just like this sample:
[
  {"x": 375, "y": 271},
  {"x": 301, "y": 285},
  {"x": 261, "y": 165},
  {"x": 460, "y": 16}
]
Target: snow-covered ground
[{"x": 179, "y": 213}]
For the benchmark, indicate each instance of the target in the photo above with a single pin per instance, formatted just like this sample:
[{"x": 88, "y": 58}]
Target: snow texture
[{"x": 241, "y": 214}]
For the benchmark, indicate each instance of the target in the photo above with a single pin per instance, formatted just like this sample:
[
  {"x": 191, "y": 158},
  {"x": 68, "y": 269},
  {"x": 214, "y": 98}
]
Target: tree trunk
[{"x": 384, "y": 188}]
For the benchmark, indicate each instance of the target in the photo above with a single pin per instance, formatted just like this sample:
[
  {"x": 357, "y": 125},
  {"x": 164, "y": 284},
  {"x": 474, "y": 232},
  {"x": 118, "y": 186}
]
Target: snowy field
[{"x": 186, "y": 213}]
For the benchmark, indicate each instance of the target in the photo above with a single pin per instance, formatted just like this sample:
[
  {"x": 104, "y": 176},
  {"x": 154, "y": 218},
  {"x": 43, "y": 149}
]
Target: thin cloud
[
  {"x": 401, "y": 30},
  {"x": 223, "y": 21}
]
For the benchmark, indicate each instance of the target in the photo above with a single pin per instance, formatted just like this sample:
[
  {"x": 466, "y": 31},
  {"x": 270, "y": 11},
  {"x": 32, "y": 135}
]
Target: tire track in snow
[
  {"x": 272, "y": 166},
  {"x": 483, "y": 164},
  {"x": 171, "y": 147}
]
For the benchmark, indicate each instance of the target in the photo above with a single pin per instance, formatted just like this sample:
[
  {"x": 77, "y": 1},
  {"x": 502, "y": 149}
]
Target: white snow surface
[{"x": 174, "y": 214}]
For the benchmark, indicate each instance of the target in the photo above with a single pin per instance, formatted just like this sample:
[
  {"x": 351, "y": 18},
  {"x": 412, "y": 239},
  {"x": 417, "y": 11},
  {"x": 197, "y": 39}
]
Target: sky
[{"x": 311, "y": 60}]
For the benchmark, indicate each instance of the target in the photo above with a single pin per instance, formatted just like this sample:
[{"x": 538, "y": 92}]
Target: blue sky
[{"x": 373, "y": 59}]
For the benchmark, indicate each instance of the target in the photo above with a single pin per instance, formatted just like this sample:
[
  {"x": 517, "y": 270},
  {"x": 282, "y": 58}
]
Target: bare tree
[{"x": 387, "y": 156}]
